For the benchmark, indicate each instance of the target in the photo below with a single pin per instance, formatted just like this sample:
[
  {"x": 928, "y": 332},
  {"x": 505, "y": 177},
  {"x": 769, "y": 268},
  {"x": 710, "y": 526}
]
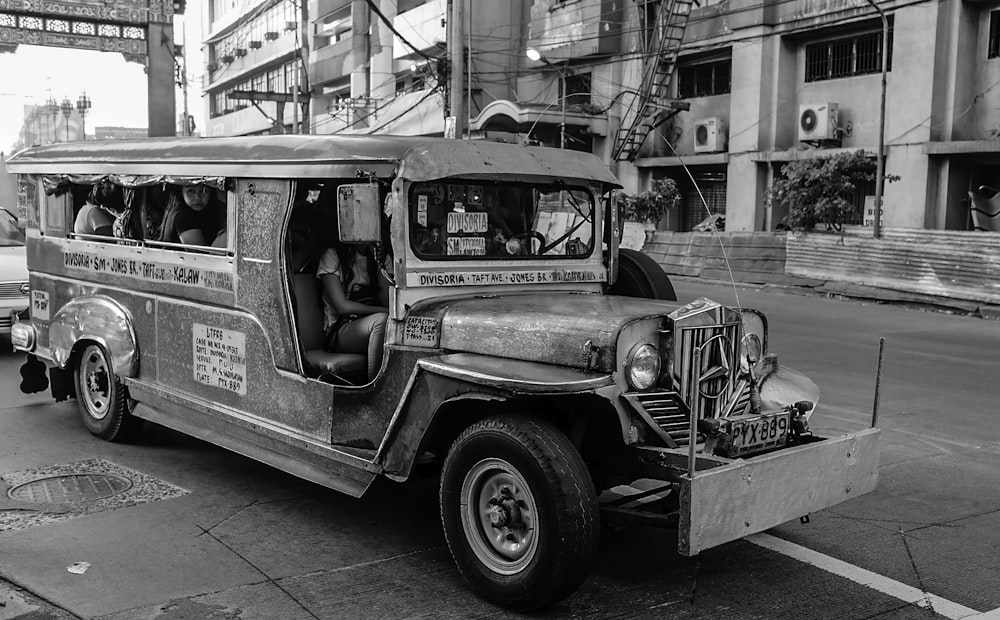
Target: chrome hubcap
[
  {"x": 499, "y": 516},
  {"x": 97, "y": 384}
]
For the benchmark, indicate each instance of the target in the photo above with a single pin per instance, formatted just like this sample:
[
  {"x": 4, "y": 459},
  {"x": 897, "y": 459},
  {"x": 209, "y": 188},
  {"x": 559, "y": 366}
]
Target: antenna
[{"x": 725, "y": 255}]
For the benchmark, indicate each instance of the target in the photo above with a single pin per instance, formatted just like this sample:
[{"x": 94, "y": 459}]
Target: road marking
[{"x": 885, "y": 585}]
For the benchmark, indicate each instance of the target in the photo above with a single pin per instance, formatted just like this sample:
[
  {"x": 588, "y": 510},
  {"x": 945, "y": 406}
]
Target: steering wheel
[{"x": 525, "y": 240}]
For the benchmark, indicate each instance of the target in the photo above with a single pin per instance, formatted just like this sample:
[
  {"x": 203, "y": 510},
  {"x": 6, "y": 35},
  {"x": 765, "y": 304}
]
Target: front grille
[
  {"x": 667, "y": 410},
  {"x": 707, "y": 387},
  {"x": 6, "y": 321},
  {"x": 11, "y": 290}
]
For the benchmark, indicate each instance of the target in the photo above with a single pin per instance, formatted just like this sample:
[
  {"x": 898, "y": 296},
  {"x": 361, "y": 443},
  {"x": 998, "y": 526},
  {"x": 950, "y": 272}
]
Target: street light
[
  {"x": 880, "y": 161},
  {"x": 67, "y": 109},
  {"x": 83, "y": 106},
  {"x": 537, "y": 56},
  {"x": 52, "y": 110}
]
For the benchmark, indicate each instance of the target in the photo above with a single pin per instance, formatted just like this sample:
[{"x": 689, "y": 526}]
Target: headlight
[{"x": 642, "y": 367}]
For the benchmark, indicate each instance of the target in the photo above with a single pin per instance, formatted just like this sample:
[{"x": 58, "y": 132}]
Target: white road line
[{"x": 893, "y": 588}]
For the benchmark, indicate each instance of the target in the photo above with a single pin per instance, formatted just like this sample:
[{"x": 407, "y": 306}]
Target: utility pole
[
  {"x": 186, "y": 128},
  {"x": 456, "y": 52},
  {"x": 880, "y": 161}
]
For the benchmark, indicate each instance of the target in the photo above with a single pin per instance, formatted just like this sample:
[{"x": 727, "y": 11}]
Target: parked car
[{"x": 13, "y": 271}]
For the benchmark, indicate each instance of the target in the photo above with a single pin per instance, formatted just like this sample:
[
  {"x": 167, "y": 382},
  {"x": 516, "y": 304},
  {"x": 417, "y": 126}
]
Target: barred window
[
  {"x": 704, "y": 79},
  {"x": 858, "y": 54},
  {"x": 993, "y": 50}
]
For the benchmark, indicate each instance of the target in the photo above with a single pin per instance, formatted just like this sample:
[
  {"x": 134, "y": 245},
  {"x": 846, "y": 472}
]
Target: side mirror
[{"x": 358, "y": 213}]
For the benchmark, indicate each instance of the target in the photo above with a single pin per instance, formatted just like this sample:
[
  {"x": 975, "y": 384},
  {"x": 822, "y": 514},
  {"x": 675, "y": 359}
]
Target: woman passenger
[{"x": 355, "y": 296}]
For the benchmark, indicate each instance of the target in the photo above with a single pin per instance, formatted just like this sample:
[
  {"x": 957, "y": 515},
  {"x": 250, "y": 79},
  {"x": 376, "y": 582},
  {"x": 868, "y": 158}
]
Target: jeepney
[{"x": 549, "y": 404}]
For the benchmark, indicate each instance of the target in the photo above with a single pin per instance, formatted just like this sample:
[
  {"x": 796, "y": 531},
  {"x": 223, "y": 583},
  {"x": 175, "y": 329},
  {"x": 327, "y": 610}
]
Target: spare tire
[{"x": 641, "y": 276}]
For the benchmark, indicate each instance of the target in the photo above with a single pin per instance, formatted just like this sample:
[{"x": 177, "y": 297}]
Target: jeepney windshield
[
  {"x": 10, "y": 234},
  {"x": 452, "y": 219}
]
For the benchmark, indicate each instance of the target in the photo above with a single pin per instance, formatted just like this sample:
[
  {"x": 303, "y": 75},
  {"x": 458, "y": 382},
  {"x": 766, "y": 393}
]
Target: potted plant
[{"x": 649, "y": 207}]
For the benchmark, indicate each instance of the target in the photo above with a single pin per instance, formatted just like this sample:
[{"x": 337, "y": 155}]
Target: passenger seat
[{"x": 350, "y": 368}]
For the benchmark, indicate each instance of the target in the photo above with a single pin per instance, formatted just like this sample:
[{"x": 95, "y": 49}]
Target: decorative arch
[{"x": 140, "y": 30}]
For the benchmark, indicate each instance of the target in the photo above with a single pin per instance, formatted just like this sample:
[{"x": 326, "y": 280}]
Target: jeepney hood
[{"x": 568, "y": 329}]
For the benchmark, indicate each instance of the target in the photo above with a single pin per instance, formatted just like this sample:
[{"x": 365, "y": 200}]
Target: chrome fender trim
[{"x": 97, "y": 318}]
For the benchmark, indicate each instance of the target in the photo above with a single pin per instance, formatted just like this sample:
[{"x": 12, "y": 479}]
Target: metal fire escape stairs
[{"x": 653, "y": 103}]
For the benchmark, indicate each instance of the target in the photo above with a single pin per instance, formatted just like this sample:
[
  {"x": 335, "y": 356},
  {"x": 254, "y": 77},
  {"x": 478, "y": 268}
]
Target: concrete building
[
  {"x": 766, "y": 82},
  {"x": 763, "y": 80},
  {"x": 252, "y": 50}
]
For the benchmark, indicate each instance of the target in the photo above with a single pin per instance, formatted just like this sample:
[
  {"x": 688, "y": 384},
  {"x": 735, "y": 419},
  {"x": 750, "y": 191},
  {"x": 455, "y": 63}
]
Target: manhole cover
[{"x": 70, "y": 489}]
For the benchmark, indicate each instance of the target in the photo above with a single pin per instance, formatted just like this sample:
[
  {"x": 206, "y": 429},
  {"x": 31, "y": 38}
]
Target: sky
[{"x": 116, "y": 88}]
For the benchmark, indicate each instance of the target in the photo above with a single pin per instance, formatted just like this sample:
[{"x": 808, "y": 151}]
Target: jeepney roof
[{"x": 309, "y": 156}]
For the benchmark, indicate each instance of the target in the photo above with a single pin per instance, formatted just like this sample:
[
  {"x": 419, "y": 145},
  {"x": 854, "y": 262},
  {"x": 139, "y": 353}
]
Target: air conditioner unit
[
  {"x": 709, "y": 135},
  {"x": 241, "y": 52},
  {"x": 270, "y": 35},
  {"x": 818, "y": 121},
  {"x": 226, "y": 58},
  {"x": 255, "y": 45},
  {"x": 290, "y": 25}
]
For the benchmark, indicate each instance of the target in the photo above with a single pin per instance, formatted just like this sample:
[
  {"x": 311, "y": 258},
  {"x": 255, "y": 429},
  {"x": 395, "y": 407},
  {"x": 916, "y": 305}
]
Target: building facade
[{"x": 761, "y": 83}]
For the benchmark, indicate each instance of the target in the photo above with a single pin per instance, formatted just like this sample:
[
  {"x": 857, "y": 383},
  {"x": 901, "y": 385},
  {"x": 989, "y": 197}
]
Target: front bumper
[
  {"x": 10, "y": 310},
  {"x": 751, "y": 495}
]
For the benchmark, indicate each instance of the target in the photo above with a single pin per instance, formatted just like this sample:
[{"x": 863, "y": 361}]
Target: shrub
[
  {"x": 816, "y": 191},
  {"x": 652, "y": 204}
]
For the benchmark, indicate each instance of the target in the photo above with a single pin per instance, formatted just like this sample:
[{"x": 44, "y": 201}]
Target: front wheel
[
  {"x": 519, "y": 511},
  {"x": 102, "y": 397}
]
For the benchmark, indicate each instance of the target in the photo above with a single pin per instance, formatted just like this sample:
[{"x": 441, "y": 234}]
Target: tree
[
  {"x": 652, "y": 204},
  {"x": 816, "y": 191}
]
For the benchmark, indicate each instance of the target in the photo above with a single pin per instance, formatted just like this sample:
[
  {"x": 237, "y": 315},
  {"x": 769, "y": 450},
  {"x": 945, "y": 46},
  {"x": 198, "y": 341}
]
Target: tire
[
  {"x": 102, "y": 397},
  {"x": 527, "y": 476},
  {"x": 641, "y": 276}
]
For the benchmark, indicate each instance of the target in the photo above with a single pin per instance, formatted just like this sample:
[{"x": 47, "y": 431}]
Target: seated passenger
[
  {"x": 355, "y": 299},
  {"x": 94, "y": 217},
  {"x": 201, "y": 220}
]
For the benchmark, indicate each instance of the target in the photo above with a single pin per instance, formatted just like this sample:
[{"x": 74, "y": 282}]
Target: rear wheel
[
  {"x": 641, "y": 276},
  {"x": 519, "y": 511},
  {"x": 102, "y": 398}
]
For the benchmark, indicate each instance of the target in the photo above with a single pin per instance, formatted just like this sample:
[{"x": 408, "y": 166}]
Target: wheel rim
[
  {"x": 96, "y": 379},
  {"x": 499, "y": 516}
]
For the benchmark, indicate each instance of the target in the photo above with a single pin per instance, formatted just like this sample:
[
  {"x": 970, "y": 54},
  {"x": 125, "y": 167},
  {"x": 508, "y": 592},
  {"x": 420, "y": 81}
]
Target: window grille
[
  {"x": 857, "y": 54},
  {"x": 704, "y": 79}
]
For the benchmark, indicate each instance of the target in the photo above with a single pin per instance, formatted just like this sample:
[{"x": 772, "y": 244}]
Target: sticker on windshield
[
  {"x": 220, "y": 358},
  {"x": 466, "y": 246},
  {"x": 422, "y": 210},
  {"x": 467, "y": 222}
]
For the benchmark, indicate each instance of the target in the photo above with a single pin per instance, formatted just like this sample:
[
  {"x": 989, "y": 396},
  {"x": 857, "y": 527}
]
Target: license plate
[{"x": 758, "y": 433}]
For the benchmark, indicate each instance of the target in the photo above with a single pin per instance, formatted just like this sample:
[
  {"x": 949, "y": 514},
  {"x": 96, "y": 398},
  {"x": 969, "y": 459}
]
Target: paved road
[{"x": 229, "y": 538}]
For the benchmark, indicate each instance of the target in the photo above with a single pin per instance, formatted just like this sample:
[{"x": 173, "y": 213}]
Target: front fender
[
  {"x": 99, "y": 319},
  {"x": 436, "y": 381}
]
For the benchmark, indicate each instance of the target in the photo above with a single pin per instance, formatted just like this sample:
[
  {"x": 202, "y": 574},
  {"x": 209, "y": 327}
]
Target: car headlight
[{"x": 642, "y": 367}]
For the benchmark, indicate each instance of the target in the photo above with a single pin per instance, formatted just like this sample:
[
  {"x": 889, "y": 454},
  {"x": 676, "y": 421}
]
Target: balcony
[
  {"x": 318, "y": 9},
  {"x": 336, "y": 61},
  {"x": 246, "y": 60},
  {"x": 420, "y": 26},
  {"x": 567, "y": 30}
]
